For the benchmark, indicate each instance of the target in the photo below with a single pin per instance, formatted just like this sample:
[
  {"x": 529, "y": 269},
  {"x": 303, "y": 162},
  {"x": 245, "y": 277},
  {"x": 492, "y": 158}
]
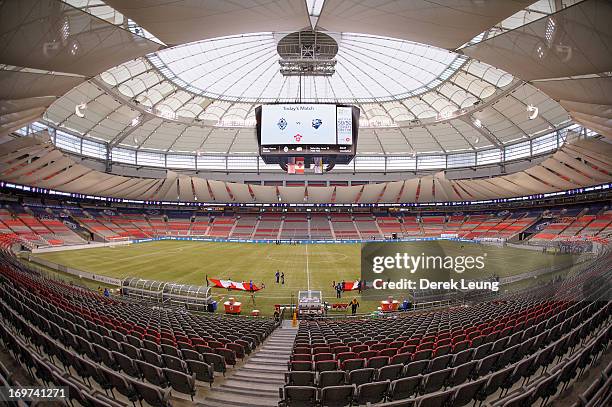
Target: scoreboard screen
[
  {"x": 307, "y": 129},
  {"x": 305, "y": 124}
]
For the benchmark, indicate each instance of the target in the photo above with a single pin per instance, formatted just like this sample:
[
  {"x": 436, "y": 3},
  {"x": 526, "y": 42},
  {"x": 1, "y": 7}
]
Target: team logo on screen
[
  {"x": 316, "y": 123},
  {"x": 298, "y": 137},
  {"x": 282, "y": 123}
]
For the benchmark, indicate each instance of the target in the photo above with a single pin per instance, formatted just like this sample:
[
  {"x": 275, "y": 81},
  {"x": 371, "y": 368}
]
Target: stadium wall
[{"x": 76, "y": 272}]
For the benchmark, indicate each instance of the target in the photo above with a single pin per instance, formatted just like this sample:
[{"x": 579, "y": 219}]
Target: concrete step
[
  {"x": 219, "y": 399},
  {"x": 276, "y": 351},
  {"x": 270, "y": 358},
  {"x": 256, "y": 383},
  {"x": 277, "y": 348},
  {"x": 284, "y": 355},
  {"x": 266, "y": 368},
  {"x": 240, "y": 385},
  {"x": 258, "y": 378}
]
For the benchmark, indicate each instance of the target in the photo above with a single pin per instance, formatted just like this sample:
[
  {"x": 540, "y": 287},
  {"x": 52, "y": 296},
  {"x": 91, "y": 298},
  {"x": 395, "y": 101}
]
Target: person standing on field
[
  {"x": 354, "y": 306},
  {"x": 277, "y": 275},
  {"x": 283, "y": 278}
]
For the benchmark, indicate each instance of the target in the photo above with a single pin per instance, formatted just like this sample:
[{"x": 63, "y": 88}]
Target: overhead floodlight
[
  {"x": 533, "y": 110},
  {"x": 549, "y": 33},
  {"x": 477, "y": 123},
  {"x": 78, "y": 109},
  {"x": 74, "y": 48},
  {"x": 135, "y": 121},
  {"x": 476, "y": 140},
  {"x": 65, "y": 30}
]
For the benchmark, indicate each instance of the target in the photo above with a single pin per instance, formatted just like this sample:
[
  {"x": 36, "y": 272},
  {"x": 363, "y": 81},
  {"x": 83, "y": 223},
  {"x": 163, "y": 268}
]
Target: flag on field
[
  {"x": 232, "y": 285},
  {"x": 299, "y": 165},
  {"x": 351, "y": 285},
  {"x": 291, "y": 165}
]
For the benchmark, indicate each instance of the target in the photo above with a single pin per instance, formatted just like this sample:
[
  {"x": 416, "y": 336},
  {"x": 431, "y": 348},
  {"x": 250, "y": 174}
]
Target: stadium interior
[{"x": 193, "y": 194}]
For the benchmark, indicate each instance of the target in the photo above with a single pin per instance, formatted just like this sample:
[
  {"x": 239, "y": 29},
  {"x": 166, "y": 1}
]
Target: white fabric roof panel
[
  {"x": 123, "y": 187},
  {"x": 21, "y": 85},
  {"x": 320, "y": 194},
  {"x": 129, "y": 189},
  {"x": 106, "y": 181},
  {"x": 185, "y": 189},
  {"x": 64, "y": 174},
  {"x": 38, "y": 177},
  {"x": 496, "y": 189},
  {"x": 88, "y": 180},
  {"x": 392, "y": 191},
  {"x": 21, "y": 105},
  {"x": 596, "y": 90},
  {"x": 292, "y": 194},
  {"x": 219, "y": 191},
  {"x": 16, "y": 120},
  {"x": 240, "y": 192},
  {"x": 479, "y": 190},
  {"x": 443, "y": 188},
  {"x": 371, "y": 193},
  {"x": 409, "y": 192},
  {"x": 42, "y": 157},
  {"x": 512, "y": 188},
  {"x": 14, "y": 145},
  {"x": 51, "y": 35},
  {"x": 588, "y": 100},
  {"x": 571, "y": 42},
  {"x": 169, "y": 183},
  {"x": 599, "y": 153},
  {"x": 474, "y": 190},
  {"x": 201, "y": 190},
  {"x": 604, "y": 111},
  {"x": 105, "y": 119},
  {"x": 143, "y": 189},
  {"x": 543, "y": 174},
  {"x": 178, "y": 22},
  {"x": 264, "y": 193},
  {"x": 348, "y": 194},
  {"x": 441, "y": 24},
  {"x": 426, "y": 189},
  {"x": 73, "y": 173},
  {"x": 601, "y": 125},
  {"x": 172, "y": 193},
  {"x": 114, "y": 184},
  {"x": 562, "y": 157},
  {"x": 526, "y": 182}
]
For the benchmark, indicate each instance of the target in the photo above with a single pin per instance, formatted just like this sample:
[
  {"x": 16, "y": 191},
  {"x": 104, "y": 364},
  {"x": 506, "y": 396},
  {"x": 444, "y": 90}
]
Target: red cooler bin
[
  {"x": 232, "y": 307},
  {"x": 389, "y": 306}
]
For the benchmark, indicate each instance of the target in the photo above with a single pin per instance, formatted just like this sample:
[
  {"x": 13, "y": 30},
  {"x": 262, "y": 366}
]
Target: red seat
[
  {"x": 323, "y": 356},
  {"x": 300, "y": 366}
]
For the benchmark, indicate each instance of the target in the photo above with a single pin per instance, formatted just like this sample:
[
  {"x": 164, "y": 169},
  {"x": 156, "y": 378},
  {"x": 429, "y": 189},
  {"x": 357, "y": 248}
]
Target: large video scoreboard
[{"x": 307, "y": 130}]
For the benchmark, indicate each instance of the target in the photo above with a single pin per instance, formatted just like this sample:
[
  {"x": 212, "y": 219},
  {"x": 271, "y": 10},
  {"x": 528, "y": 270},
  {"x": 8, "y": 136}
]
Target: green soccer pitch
[{"x": 313, "y": 265}]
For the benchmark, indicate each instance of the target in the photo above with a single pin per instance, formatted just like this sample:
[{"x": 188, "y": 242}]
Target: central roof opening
[{"x": 334, "y": 67}]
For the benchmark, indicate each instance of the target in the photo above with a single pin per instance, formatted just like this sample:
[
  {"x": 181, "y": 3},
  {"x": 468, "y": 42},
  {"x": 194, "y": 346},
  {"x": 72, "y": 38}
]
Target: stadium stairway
[{"x": 256, "y": 383}]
